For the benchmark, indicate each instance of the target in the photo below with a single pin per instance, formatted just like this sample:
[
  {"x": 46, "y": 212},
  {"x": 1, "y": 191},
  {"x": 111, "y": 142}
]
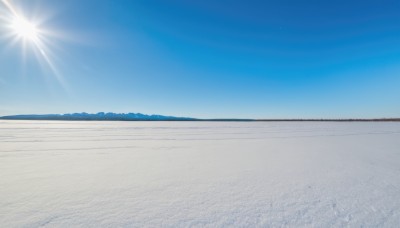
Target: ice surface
[{"x": 215, "y": 174}]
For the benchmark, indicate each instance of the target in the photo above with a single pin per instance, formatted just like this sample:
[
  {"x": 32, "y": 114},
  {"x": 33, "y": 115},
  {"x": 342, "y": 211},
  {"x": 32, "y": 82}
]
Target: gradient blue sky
[{"x": 207, "y": 59}]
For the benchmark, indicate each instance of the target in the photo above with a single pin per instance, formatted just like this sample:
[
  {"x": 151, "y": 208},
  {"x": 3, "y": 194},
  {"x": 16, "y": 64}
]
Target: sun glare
[
  {"x": 25, "y": 29},
  {"x": 30, "y": 34}
]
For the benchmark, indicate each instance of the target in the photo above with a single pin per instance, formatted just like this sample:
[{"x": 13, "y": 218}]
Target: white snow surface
[{"x": 199, "y": 174}]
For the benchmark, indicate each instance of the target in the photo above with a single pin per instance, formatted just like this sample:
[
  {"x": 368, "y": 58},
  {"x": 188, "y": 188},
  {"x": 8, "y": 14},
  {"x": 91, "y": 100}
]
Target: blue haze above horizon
[{"x": 210, "y": 59}]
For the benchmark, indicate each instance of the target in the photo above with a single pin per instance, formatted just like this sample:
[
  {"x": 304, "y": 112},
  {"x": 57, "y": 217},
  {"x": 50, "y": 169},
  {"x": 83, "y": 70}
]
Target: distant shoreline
[
  {"x": 218, "y": 120},
  {"x": 110, "y": 116}
]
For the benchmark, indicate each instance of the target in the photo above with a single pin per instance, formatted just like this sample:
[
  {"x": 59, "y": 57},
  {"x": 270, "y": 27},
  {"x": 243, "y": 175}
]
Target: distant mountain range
[
  {"x": 97, "y": 116},
  {"x": 143, "y": 117}
]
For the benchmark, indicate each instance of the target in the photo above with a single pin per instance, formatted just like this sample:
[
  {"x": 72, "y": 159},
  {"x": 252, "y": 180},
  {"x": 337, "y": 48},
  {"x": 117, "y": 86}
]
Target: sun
[
  {"x": 32, "y": 35},
  {"x": 25, "y": 29}
]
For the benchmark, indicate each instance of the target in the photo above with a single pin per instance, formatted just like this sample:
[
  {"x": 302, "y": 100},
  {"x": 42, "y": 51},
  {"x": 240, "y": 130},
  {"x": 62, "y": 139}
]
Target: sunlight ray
[{"x": 30, "y": 36}]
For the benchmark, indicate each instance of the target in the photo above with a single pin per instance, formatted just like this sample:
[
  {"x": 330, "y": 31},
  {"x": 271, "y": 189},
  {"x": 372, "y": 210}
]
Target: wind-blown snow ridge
[{"x": 95, "y": 116}]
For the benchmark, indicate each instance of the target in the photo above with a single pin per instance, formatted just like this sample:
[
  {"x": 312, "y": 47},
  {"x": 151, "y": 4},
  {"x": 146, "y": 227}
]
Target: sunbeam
[{"x": 30, "y": 35}]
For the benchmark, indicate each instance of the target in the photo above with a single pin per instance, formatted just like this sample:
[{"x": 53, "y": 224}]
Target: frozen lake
[{"x": 215, "y": 174}]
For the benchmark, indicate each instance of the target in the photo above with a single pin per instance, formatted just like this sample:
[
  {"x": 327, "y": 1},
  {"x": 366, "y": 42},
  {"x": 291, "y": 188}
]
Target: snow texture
[{"x": 199, "y": 174}]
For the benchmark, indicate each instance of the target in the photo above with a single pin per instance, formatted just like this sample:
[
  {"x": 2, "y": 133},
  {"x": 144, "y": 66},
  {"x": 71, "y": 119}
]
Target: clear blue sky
[{"x": 239, "y": 59}]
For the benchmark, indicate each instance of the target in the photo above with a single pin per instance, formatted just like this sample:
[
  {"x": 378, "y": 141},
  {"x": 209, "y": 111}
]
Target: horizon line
[{"x": 110, "y": 116}]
